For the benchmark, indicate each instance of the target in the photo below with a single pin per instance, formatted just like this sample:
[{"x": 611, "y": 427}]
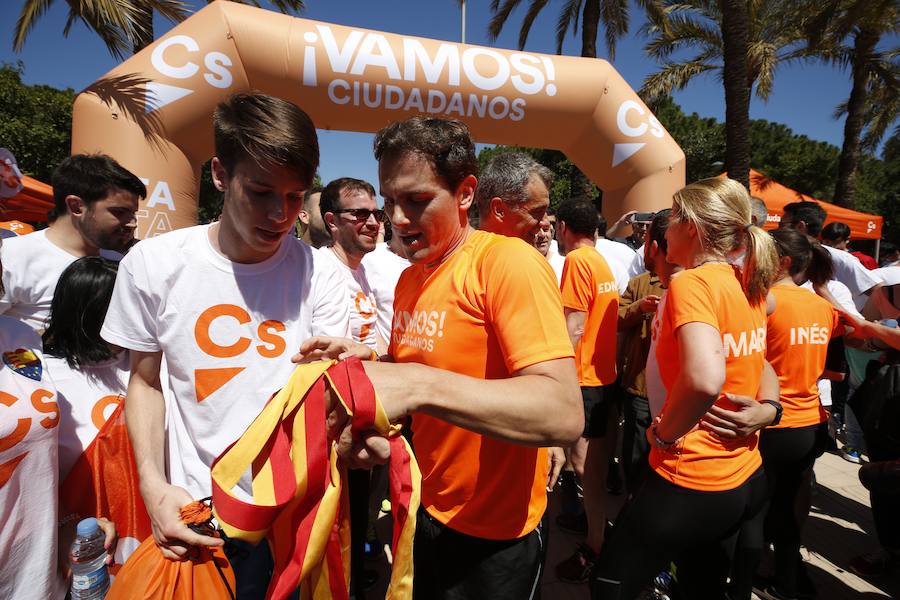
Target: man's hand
[
  {"x": 750, "y": 415},
  {"x": 649, "y": 304},
  {"x": 623, "y": 221},
  {"x": 556, "y": 459},
  {"x": 175, "y": 540},
  {"x": 362, "y": 450},
  {"x": 329, "y": 348}
]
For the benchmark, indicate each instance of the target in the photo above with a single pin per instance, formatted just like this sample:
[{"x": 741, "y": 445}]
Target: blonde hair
[{"x": 720, "y": 209}]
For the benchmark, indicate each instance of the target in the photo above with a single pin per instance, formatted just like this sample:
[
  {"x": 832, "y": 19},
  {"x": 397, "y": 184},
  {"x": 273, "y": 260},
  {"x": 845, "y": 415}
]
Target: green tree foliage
[{"x": 36, "y": 122}]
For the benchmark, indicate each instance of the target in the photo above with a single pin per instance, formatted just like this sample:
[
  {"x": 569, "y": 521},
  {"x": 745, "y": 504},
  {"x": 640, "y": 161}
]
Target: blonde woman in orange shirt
[{"x": 711, "y": 349}]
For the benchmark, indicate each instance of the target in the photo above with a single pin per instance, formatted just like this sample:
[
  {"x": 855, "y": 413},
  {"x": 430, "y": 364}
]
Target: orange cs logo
[
  {"x": 40, "y": 400},
  {"x": 270, "y": 345}
]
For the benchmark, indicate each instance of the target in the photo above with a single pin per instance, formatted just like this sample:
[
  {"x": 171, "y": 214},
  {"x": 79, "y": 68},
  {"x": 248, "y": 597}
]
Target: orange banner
[{"x": 153, "y": 112}]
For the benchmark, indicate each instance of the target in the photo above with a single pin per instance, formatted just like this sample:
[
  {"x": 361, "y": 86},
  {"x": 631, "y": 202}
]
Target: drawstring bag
[
  {"x": 148, "y": 575},
  {"x": 299, "y": 495}
]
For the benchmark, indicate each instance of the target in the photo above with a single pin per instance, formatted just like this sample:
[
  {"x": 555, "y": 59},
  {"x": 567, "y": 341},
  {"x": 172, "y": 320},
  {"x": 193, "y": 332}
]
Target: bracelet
[{"x": 661, "y": 443}]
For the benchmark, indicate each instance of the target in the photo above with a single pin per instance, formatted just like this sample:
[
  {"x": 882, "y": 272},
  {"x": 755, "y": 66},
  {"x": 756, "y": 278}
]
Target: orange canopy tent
[
  {"x": 863, "y": 226},
  {"x": 31, "y": 204}
]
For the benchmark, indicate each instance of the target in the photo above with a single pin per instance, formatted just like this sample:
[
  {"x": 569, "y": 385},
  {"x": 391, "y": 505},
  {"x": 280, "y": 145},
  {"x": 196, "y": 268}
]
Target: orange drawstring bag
[{"x": 148, "y": 575}]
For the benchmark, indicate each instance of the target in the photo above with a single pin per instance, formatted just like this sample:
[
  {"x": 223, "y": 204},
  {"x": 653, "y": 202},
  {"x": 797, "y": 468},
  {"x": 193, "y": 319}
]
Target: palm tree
[
  {"x": 125, "y": 26},
  {"x": 874, "y": 72},
  {"x": 741, "y": 41},
  {"x": 613, "y": 13}
]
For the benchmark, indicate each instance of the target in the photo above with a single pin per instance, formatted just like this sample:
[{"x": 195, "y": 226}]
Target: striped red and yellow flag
[{"x": 299, "y": 502}]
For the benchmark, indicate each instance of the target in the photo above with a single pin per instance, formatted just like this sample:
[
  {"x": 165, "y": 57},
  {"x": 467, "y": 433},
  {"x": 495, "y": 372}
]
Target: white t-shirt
[
  {"x": 656, "y": 389},
  {"x": 360, "y": 299},
  {"x": 32, "y": 265},
  {"x": 849, "y": 271},
  {"x": 557, "y": 262},
  {"x": 29, "y": 416},
  {"x": 383, "y": 269},
  {"x": 227, "y": 332},
  {"x": 87, "y": 397},
  {"x": 637, "y": 265},
  {"x": 619, "y": 258}
]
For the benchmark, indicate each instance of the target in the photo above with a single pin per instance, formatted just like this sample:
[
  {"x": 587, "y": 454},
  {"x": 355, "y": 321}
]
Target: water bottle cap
[{"x": 87, "y": 526}]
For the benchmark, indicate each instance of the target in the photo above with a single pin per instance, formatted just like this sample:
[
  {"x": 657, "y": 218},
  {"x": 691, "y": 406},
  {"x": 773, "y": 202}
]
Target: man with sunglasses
[{"x": 352, "y": 218}]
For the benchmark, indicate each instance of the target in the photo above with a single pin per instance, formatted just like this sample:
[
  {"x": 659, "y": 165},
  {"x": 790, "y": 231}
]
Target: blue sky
[{"x": 804, "y": 94}]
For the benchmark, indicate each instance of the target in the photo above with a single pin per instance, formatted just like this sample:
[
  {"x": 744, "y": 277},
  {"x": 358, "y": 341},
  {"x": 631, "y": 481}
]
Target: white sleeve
[
  {"x": 133, "y": 310},
  {"x": 637, "y": 264},
  {"x": 844, "y": 297},
  {"x": 849, "y": 271},
  {"x": 7, "y": 298},
  {"x": 331, "y": 310}
]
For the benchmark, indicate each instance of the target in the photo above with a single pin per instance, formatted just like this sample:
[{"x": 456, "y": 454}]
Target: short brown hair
[
  {"x": 331, "y": 196},
  {"x": 445, "y": 143},
  {"x": 267, "y": 130}
]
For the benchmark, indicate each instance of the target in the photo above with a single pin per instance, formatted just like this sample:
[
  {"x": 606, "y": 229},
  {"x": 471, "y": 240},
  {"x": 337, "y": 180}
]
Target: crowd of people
[{"x": 520, "y": 357}]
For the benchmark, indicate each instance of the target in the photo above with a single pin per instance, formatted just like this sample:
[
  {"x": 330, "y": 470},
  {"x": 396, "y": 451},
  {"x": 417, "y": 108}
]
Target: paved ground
[{"x": 839, "y": 528}]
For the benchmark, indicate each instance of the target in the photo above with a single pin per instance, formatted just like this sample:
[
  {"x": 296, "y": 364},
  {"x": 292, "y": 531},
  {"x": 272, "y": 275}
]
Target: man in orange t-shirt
[
  {"x": 591, "y": 303},
  {"x": 479, "y": 330}
]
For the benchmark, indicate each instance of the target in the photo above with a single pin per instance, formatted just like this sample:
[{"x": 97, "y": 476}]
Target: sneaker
[
  {"x": 578, "y": 567},
  {"x": 874, "y": 564},
  {"x": 851, "y": 454},
  {"x": 576, "y": 524}
]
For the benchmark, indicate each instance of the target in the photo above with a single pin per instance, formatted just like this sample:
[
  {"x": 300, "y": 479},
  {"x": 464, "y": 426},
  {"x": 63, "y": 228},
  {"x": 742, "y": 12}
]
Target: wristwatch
[{"x": 779, "y": 410}]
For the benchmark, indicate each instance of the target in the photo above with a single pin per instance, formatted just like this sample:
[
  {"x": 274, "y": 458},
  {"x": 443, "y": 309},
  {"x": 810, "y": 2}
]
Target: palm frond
[
  {"x": 614, "y": 15},
  {"x": 31, "y": 12},
  {"x": 682, "y": 30},
  {"x": 501, "y": 13},
  {"x": 672, "y": 76},
  {"x": 533, "y": 11},
  {"x": 765, "y": 61},
  {"x": 568, "y": 17}
]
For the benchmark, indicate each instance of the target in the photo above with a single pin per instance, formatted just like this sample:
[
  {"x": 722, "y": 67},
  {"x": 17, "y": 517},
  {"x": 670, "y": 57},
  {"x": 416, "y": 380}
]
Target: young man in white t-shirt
[
  {"x": 352, "y": 217},
  {"x": 226, "y": 305},
  {"x": 95, "y": 199}
]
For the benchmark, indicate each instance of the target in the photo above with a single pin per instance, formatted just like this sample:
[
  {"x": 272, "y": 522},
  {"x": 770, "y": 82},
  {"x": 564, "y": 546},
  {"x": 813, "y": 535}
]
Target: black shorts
[{"x": 598, "y": 401}]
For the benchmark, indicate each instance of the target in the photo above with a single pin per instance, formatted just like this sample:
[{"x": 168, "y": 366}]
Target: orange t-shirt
[
  {"x": 712, "y": 294},
  {"x": 588, "y": 286},
  {"x": 797, "y": 339},
  {"x": 488, "y": 311}
]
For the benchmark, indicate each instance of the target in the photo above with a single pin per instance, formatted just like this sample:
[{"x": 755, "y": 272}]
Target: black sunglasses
[{"x": 362, "y": 214}]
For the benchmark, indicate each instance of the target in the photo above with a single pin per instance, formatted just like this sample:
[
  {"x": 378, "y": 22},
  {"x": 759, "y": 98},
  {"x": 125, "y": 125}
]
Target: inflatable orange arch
[{"x": 152, "y": 113}]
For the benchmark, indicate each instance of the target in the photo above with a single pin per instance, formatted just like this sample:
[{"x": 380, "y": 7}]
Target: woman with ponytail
[
  {"x": 711, "y": 354},
  {"x": 799, "y": 327}
]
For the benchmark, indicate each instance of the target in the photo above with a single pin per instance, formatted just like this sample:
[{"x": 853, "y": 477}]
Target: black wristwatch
[{"x": 778, "y": 411}]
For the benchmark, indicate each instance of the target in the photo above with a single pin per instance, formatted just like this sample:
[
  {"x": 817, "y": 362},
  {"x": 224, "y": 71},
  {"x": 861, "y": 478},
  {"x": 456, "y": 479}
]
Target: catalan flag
[{"x": 299, "y": 497}]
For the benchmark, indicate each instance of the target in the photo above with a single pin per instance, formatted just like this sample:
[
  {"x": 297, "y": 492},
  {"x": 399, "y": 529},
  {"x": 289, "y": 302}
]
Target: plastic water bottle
[{"x": 90, "y": 575}]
